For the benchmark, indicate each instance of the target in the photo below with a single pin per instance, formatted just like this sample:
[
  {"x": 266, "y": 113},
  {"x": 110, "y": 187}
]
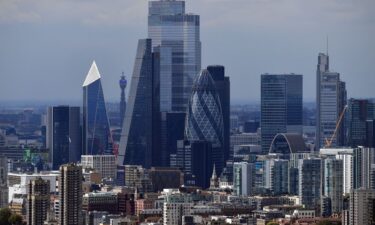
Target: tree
[
  {"x": 5, "y": 214},
  {"x": 15, "y": 219}
]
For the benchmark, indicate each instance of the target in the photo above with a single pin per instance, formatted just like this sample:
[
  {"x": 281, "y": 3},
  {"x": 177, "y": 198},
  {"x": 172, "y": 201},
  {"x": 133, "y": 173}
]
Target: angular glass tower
[
  {"x": 97, "y": 138},
  {"x": 136, "y": 137},
  {"x": 204, "y": 120},
  {"x": 177, "y": 35}
]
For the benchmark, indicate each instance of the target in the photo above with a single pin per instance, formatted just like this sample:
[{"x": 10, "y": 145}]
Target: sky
[{"x": 47, "y": 46}]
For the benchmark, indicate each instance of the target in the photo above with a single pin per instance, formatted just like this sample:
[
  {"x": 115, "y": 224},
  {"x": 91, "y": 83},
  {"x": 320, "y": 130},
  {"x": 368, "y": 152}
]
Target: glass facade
[
  {"x": 177, "y": 37},
  {"x": 136, "y": 138},
  {"x": 331, "y": 100},
  {"x": 204, "y": 121},
  {"x": 309, "y": 171},
  {"x": 281, "y": 106},
  {"x": 64, "y": 135},
  {"x": 97, "y": 138}
]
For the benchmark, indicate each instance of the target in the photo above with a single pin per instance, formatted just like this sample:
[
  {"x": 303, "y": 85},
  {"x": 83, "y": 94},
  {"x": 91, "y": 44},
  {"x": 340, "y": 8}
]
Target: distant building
[
  {"x": 97, "y": 138},
  {"x": 309, "y": 171},
  {"x": 123, "y": 83},
  {"x": 3, "y": 181},
  {"x": 137, "y": 177},
  {"x": 331, "y": 101},
  {"x": 38, "y": 199},
  {"x": 333, "y": 183},
  {"x": 359, "y": 112},
  {"x": 176, "y": 34},
  {"x": 243, "y": 178},
  {"x": 70, "y": 195},
  {"x": 204, "y": 120},
  {"x": 276, "y": 176},
  {"x": 281, "y": 106},
  {"x": 363, "y": 158},
  {"x": 165, "y": 177},
  {"x": 64, "y": 135},
  {"x": 362, "y": 207},
  {"x": 222, "y": 84},
  {"x": 136, "y": 137},
  {"x": 105, "y": 165},
  {"x": 176, "y": 205},
  {"x": 196, "y": 160}
]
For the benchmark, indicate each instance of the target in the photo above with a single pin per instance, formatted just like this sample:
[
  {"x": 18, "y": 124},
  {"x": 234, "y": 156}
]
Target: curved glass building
[{"x": 204, "y": 120}]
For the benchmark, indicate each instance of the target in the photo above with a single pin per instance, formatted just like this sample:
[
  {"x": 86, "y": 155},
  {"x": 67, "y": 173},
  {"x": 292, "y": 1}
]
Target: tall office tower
[
  {"x": 362, "y": 207},
  {"x": 309, "y": 172},
  {"x": 63, "y": 135},
  {"x": 333, "y": 183},
  {"x": 38, "y": 201},
  {"x": 331, "y": 101},
  {"x": 276, "y": 175},
  {"x": 222, "y": 84},
  {"x": 176, "y": 34},
  {"x": 281, "y": 106},
  {"x": 347, "y": 159},
  {"x": 97, "y": 138},
  {"x": 123, "y": 83},
  {"x": 3, "y": 182},
  {"x": 243, "y": 178},
  {"x": 359, "y": 112},
  {"x": 204, "y": 120},
  {"x": 363, "y": 158},
  {"x": 136, "y": 138},
  {"x": 70, "y": 194},
  {"x": 104, "y": 164},
  {"x": 322, "y": 67}
]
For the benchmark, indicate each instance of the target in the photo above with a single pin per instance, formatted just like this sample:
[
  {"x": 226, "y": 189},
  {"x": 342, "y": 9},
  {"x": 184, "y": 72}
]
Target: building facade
[
  {"x": 243, "y": 178},
  {"x": 281, "y": 106},
  {"x": 362, "y": 207},
  {"x": 63, "y": 135},
  {"x": 359, "y": 112},
  {"x": 70, "y": 195},
  {"x": 97, "y": 138},
  {"x": 309, "y": 180},
  {"x": 331, "y": 101},
  {"x": 103, "y": 164},
  {"x": 38, "y": 201},
  {"x": 3, "y": 181},
  {"x": 333, "y": 183},
  {"x": 222, "y": 84},
  {"x": 204, "y": 120},
  {"x": 177, "y": 36}
]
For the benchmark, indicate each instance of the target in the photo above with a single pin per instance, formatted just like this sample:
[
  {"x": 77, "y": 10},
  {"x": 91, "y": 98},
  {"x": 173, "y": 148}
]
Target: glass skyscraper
[
  {"x": 97, "y": 138},
  {"x": 331, "y": 100},
  {"x": 281, "y": 106},
  {"x": 204, "y": 121},
  {"x": 176, "y": 34},
  {"x": 136, "y": 138},
  {"x": 63, "y": 135}
]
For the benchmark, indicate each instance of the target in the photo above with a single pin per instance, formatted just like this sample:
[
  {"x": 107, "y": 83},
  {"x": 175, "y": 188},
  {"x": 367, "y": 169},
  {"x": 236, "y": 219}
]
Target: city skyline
[{"x": 34, "y": 46}]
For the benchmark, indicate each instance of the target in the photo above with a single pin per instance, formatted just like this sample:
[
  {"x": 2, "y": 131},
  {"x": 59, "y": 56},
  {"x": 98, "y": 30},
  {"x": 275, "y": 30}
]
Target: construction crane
[{"x": 329, "y": 142}]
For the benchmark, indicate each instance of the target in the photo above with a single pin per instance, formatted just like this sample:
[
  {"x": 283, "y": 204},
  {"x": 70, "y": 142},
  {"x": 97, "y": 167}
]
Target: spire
[
  {"x": 92, "y": 75},
  {"x": 214, "y": 176}
]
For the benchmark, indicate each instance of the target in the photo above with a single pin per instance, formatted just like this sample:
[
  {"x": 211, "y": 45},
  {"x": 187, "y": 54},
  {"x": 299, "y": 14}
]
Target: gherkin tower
[{"x": 204, "y": 120}]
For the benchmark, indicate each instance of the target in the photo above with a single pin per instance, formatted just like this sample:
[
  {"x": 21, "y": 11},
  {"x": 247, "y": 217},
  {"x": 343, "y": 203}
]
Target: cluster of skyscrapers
[{"x": 176, "y": 131}]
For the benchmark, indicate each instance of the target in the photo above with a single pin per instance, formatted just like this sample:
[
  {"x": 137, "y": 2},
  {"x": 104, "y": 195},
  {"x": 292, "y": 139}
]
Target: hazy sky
[{"x": 47, "y": 46}]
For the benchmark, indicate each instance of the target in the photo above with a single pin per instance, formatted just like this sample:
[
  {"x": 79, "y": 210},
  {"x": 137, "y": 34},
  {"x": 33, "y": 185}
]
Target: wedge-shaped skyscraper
[
  {"x": 97, "y": 138},
  {"x": 136, "y": 138}
]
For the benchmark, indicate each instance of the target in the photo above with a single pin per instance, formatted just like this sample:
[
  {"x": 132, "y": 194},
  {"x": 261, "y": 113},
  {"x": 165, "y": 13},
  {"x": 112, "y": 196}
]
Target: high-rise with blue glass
[
  {"x": 281, "y": 106},
  {"x": 176, "y": 34},
  {"x": 97, "y": 138},
  {"x": 136, "y": 137}
]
